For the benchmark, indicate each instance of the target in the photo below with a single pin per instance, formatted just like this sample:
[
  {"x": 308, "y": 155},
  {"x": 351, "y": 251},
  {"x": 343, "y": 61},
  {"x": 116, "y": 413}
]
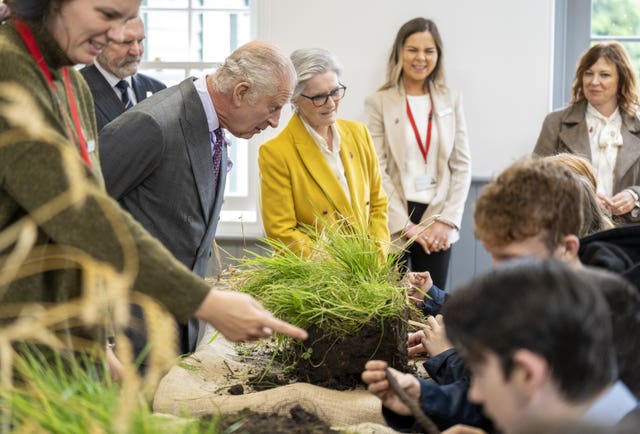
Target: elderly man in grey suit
[
  {"x": 113, "y": 79},
  {"x": 165, "y": 160}
]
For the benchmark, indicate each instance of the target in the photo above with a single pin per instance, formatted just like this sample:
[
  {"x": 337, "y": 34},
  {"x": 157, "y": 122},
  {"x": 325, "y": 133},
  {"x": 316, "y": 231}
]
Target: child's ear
[
  {"x": 530, "y": 372},
  {"x": 567, "y": 252}
]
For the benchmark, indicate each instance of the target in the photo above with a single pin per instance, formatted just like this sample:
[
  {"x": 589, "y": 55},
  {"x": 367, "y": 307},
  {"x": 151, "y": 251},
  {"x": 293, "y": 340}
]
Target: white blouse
[
  {"x": 420, "y": 181},
  {"x": 605, "y": 139}
]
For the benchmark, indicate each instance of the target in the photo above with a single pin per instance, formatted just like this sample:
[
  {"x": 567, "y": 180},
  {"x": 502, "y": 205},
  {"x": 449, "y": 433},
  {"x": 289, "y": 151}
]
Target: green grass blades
[
  {"x": 342, "y": 286},
  {"x": 73, "y": 397}
]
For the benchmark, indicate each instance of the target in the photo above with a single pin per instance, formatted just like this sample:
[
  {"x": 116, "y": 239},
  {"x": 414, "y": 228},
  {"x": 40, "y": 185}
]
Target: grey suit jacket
[
  {"x": 108, "y": 105},
  {"x": 157, "y": 162},
  {"x": 566, "y": 131}
]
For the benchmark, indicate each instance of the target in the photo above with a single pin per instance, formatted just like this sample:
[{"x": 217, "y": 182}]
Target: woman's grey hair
[
  {"x": 311, "y": 62},
  {"x": 261, "y": 64}
]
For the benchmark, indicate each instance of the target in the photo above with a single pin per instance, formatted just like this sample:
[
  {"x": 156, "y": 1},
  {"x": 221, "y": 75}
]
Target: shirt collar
[
  {"x": 320, "y": 141},
  {"x": 615, "y": 116},
  {"x": 612, "y": 406},
  {"x": 209, "y": 110},
  {"x": 111, "y": 79}
]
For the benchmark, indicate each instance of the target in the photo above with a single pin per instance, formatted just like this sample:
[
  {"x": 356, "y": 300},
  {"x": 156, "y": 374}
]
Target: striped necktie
[{"x": 123, "y": 85}]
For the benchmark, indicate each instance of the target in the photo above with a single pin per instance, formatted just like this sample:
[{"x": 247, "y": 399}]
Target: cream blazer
[
  {"x": 297, "y": 187},
  {"x": 386, "y": 118}
]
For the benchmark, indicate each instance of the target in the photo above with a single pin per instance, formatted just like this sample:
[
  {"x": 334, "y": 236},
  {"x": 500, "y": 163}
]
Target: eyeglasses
[{"x": 336, "y": 95}]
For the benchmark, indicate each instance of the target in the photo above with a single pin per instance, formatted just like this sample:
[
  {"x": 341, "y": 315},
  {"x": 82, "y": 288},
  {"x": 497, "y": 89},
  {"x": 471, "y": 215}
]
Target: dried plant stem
[
  {"x": 423, "y": 420},
  {"x": 417, "y": 324}
]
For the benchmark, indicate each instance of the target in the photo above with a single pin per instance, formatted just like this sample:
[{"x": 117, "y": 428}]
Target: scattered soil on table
[
  {"x": 246, "y": 421},
  {"x": 338, "y": 363}
]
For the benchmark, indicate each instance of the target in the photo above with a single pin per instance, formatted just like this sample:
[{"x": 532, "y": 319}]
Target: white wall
[{"x": 497, "y": 52}]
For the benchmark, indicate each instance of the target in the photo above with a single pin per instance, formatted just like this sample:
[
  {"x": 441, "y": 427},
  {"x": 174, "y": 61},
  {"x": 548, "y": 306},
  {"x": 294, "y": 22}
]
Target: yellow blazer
[{"x": 297, "y": 186}]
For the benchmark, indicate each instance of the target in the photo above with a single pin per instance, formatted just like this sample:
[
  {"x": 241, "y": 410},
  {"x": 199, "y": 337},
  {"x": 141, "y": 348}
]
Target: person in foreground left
[{"x": 36, "y": 169}]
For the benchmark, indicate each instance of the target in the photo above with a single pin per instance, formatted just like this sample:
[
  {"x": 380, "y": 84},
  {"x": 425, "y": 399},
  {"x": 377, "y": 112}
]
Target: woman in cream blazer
[
  {"x": 320, "y": 169},
  {"x": 426, "y": 228}
]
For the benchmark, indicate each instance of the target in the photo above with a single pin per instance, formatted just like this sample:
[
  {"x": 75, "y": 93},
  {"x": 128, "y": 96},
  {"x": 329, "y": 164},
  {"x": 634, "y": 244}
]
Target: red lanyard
[
  {"x": 31, "y": 44},
  {"x": 424, "y": 149}
]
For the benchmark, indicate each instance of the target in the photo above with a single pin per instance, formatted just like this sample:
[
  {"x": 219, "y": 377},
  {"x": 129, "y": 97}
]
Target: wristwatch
[{"x": 635, "y": 211}]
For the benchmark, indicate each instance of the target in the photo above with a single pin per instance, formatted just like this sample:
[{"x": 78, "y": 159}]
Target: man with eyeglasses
[
  {"x": 113, "y": 79},
  {"x": 320, "y": 169}
]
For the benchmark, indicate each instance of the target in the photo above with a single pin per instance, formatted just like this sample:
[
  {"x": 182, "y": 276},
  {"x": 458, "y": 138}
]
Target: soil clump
[
  {"x": 336, "y": 363},
  {"x": 300, "y": 421}
]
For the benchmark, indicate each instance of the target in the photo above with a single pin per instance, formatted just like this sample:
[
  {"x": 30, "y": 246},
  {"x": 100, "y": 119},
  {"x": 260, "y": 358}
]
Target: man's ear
[
  {"x": 240, "y": 93},
  {"x": 530, "y": 372}
]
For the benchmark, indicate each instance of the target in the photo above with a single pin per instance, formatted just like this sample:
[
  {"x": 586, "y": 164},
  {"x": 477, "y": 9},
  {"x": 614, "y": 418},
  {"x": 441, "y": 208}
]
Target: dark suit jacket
[
  {"x": 157, "y": 162},
  {"x": 108, "y": 106}
]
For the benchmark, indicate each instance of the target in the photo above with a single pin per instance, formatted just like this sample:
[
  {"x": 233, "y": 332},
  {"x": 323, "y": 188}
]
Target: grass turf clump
[{"x": 343, "y": 286}]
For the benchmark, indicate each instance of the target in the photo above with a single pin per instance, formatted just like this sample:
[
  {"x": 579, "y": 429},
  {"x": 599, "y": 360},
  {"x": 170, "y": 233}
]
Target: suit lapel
[
  {"x": 138, "y": 89},
  {"x": 110, "y": 105},
  {"x": 574, "y": 136},
  {"x": 316, "y": 165},
  {"x": 198, "y": 144},
  {"x": 394, "y": 124},
  {"x": 217, "y": 204},
  {"x": 351, "y": 162},
  {"x": 629, "y": 153},
  {"x": 444, "y": 117}
]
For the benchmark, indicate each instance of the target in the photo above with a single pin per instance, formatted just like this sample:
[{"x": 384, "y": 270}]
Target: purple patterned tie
[{"x": 218, "y": 140}]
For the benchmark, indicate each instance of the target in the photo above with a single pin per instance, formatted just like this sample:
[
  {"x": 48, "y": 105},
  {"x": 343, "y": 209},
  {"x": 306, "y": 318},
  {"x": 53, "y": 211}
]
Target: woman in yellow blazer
[{"x": 320, "y": 169}]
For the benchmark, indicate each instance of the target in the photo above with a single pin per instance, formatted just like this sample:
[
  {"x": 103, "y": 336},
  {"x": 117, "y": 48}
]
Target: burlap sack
[{"x": 199, "y": 385}]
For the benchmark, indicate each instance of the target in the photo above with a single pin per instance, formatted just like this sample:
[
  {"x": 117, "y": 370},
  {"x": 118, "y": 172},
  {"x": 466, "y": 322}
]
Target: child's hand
[{"x": 419, "y": 283}]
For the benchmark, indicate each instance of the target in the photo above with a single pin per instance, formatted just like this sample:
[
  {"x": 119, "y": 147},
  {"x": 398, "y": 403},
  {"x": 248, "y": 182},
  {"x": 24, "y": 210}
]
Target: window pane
[
  {"x": 615, "y": 17},
  {"x": 165, "y": 3},
  {"x": 216, "y": 34},
  {"x": 226, "y": 4},
  {"x": 192, "y": 33},
  {"x": 167, "y": 36},
  {"x": 168, "y": 76},
  {"x": 633, "y": 48}
]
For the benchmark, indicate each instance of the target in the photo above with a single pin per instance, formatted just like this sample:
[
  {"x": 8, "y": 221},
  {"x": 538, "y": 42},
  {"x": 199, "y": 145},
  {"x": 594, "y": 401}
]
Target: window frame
[
  {"x": 240, "y": 214},
  {"x": 572, "y": 36}
]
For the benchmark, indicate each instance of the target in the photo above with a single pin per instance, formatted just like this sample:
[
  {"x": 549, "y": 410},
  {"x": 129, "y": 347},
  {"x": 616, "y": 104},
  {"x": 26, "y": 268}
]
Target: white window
[
  {"x": 617, "y": 20},
  {"x": 187, "y": 38}
]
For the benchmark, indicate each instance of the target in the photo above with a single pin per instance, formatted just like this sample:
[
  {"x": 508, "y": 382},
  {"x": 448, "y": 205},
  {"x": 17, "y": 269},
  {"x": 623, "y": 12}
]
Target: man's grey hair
[
  {"x": 311, "y": 62},
  {"x": 261, "y": 64}
]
